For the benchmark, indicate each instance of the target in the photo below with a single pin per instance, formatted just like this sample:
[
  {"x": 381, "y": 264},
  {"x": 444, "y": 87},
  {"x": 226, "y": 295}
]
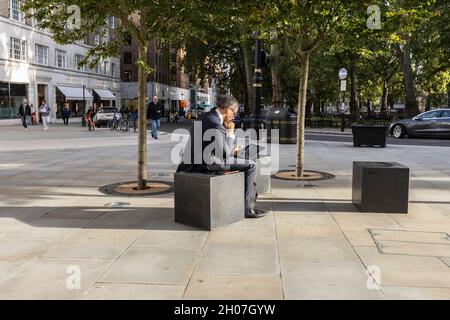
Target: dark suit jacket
[{"x": 219, "y": 146}]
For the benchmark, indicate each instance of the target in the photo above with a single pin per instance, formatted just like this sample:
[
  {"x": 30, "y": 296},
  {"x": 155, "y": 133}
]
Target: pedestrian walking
[
  {"x": 25, "y": 114},
  {"x": 134, "y": 118},
  {"x": 33, "y": 116},
  {"x": 45, "y": 110},
  {"x": 66, "y": 114},
  {"x": 154, "y": 111}
]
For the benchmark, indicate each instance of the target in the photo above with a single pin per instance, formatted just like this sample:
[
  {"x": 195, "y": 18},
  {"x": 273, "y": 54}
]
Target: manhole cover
[{"x": 414, "y": 243}]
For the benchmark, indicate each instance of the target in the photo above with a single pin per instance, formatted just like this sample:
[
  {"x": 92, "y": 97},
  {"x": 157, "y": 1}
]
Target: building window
[
  {"x": 96, "y": 69},
  {"x": 97, "y": 39},
  {"x": 127, "y": 58},
  {"x": 113, "y": 69},
  {"x": 14, "y": 10},
  {"x": 60, "y": 58},
  {"x": 17, "y": 49},
  {"x": 41, "y": 54},
  {"x": 78, "y": 59},
  {"x": 112, "y": 22},
  {"x": 105, "y": 67}
]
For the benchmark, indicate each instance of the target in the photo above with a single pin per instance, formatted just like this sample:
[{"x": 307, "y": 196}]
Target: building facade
[
  {"x": 33, "y": 67},
  {"x": 169, "y": 82}
]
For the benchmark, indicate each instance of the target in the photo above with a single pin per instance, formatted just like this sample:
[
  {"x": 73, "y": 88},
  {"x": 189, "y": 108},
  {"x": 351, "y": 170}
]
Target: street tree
[{"x": 141, "y": 19}]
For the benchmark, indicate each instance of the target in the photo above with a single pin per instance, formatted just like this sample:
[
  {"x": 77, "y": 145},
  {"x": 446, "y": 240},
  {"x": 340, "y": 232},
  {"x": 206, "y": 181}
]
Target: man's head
[
  {"x": 228, "y": 106},
  {"x": 155, "y": 99}
]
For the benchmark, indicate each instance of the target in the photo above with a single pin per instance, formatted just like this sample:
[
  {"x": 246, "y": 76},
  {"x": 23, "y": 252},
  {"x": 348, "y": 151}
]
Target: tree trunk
[
  {"x": 277, "y": 93},
  {"x": 353, "y": 90},
  {"x": 301, "y": 115},
  {"x": 250, "y": 106},
  {"x": 384, "y": 97},
  {"x": 142, "y": 110},
  {"x": 404, "y": 55}
]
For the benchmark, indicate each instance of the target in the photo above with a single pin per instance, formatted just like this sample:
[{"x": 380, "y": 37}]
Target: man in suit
[
  {"x": 154, "y": 113},
  {"x": 220, "y": 154}
]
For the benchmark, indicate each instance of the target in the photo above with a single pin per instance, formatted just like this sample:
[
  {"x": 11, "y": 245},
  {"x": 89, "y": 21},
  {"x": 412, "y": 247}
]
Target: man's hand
[
  {"x": 229, "y": 125},
  {"x": 236, "y": 150}
]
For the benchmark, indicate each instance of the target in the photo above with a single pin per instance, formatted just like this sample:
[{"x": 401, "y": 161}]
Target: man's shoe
[{"x": 255, "y": 213}]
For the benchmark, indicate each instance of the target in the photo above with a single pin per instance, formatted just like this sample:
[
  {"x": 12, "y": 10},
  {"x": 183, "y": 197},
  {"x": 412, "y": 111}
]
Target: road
[{"x": 406, "y": 141}]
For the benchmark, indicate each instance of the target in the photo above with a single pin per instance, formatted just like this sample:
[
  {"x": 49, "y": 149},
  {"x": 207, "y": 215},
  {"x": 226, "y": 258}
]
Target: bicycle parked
[{"x": 113, "y": 124}]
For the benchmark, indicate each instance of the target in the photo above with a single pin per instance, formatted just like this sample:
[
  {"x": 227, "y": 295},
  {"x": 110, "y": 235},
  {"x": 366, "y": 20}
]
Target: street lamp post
[
  {"x": 257, "y": 82},
  {"x": 343, "y": 76}
]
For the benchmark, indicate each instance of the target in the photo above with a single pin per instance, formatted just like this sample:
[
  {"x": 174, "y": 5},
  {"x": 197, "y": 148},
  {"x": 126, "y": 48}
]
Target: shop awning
[
  {"x": 75, "y": 93},
  {"x": 105, "y": 94}
]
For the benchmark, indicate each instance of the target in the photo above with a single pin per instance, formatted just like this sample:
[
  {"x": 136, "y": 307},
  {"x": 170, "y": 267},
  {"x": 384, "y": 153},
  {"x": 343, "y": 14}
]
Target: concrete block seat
[
  {"x": 380, "y": 187},
  {"x": 209, "y": 201}
]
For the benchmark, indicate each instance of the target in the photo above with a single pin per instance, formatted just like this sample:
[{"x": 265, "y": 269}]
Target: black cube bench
[
  {"x": 380, "y": 187},
  {"x": 365, "y": 135},
  {"x": 209, "y": 201}
]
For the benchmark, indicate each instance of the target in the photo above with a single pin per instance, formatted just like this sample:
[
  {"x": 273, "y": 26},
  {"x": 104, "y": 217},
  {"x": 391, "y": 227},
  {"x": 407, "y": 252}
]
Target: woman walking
[{"x": 44, "y": 110}]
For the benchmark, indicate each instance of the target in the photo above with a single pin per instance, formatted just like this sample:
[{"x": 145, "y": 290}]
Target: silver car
[{"x": 434, "y": 123}]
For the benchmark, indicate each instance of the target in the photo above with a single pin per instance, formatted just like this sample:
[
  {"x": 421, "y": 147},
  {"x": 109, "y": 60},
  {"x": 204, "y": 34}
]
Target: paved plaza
[{"x": 314, "y": 244}]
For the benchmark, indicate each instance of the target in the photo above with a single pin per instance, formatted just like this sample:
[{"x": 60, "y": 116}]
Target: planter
[{"x": 365, "y": 135}]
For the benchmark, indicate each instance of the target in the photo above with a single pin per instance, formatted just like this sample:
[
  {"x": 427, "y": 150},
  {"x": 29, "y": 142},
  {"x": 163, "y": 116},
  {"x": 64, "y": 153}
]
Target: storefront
[
  {"x": 176, "y": 96},
  {"x": 11, "y": 96},
  {"x": 104, "y": 98},
  {"x": 75, "y": 97}
]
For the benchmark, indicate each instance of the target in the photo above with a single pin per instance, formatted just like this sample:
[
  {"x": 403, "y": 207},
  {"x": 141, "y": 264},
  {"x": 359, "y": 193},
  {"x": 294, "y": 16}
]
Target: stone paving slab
[
  {"x": 414, "y": 293},
  {"x": 234, "y": 287},
  {"x": 403, "y": 270},
  {"x": 161, "y": 266},
  {"x": 235, "y": 258},
  {"x": 126, "y": 291},
  {"x": 94, "y": 243},
  {"x": 47, "y": 279}
]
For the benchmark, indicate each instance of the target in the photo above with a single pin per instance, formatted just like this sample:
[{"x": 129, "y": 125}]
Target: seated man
[{"x": 220, "y": 155}]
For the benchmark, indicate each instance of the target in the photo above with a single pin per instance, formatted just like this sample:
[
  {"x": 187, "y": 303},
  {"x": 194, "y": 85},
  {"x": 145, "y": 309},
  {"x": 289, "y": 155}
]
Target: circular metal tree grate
[
  {"x": 129, "y": 189},
  {"x": 308, "y": 175}
]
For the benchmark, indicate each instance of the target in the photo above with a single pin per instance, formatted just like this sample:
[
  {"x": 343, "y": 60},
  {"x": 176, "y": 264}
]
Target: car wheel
[{"x": 398, "y": 131}]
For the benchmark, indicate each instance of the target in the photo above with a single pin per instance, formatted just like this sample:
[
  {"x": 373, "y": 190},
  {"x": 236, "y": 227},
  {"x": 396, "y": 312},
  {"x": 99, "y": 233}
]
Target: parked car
[
  {"x": 104, "y": 115},
  {"x": 434, "y": 123}
]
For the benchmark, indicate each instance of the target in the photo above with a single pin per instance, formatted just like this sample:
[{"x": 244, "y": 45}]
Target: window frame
[
  {"x": 14, "y": 12},
  {"x": 45, "y": 57},
  {"x": 64, "y": 60},
  {"x": 22, "y": 47}
]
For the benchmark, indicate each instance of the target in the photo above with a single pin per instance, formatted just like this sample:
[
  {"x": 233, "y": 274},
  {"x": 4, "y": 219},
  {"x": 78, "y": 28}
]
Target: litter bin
[{"x": 284, "y": 121}]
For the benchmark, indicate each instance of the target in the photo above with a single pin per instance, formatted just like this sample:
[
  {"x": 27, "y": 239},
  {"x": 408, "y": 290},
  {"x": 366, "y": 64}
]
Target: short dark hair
[{"x": 227, "y": 102}]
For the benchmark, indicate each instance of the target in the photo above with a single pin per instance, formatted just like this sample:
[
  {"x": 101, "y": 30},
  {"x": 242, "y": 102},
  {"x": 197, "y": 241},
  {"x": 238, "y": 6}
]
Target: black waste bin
[{"x": 284, "y": 121}]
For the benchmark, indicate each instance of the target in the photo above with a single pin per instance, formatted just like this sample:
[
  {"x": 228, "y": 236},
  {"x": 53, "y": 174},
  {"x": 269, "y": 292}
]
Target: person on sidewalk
[
  {"x": 154, "y": 112},
  {"x": 25, "y": 114},
  {"x": 224, "y": 157},
  {"x": 44, "y": 111},
  {"x": 134, "y": 118},
  {"x": 33, "y": 119},
  {"x": 66, "y": 114}
]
